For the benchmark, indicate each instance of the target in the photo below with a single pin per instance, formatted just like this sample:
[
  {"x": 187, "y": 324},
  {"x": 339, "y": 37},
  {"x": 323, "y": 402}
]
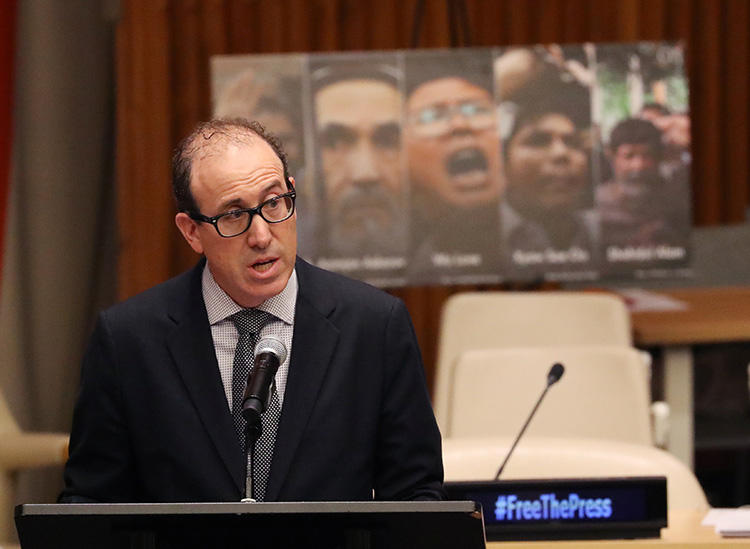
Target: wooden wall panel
[
  {"x": 8, "y": 26},
  {"x": 576, "y": 15},
  {"x": 604, "y": 21},
  {"x": 298, "y": 30},
  {"x": 735, "y": 85},
  {"x": 706, "y": 107},
  {"x": 144, "y": 139},
  {"x": 653, "y": 27},
  {"x": 549, "y": 20},
  {"x": 215, "y": 30},
  {"x": 242, "y": 27},
  {"x": 163, "y": 48},
  {"x": 385, "y": 26}
]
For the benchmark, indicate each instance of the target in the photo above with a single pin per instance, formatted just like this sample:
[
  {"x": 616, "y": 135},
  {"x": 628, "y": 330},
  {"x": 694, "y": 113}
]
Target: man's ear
[{"x": 189, "y": 230}]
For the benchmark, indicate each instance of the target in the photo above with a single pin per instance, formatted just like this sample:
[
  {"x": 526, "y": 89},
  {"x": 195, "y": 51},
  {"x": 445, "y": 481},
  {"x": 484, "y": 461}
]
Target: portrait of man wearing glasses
[
  {"x": 453, "y": 151},
  {"x": 156, "y": 420}
]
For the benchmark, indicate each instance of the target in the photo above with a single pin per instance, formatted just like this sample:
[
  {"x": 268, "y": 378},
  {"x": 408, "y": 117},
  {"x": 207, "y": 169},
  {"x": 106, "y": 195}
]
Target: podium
[{"x": 329, "y": 525}]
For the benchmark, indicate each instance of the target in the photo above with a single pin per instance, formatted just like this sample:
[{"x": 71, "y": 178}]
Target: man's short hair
[
  {"x": 427, "y": 66},
  {"x": 635, "y": 131},
  {"x": 232, "y": 129},
  {"x": 379, "y": 70},
  {"x": 570, "y": 100}
]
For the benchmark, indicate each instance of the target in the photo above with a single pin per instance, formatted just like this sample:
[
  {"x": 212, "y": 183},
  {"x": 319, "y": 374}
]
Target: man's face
[
  {"x": 452, "y": 141},
  {"x": 547, "y": 165},
  {"x": 636, "y": 171},
  {"x": 635, "y": 163},
  {"x": 230, "y": 175},
  {"x": 360, "y": 144}
]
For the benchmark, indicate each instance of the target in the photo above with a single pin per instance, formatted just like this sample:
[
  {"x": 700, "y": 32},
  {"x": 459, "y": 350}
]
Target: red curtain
[{"x": 7, "y": 54}]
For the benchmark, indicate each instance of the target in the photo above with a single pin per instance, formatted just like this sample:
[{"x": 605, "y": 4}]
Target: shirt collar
[{"x": 220, "y": 306}]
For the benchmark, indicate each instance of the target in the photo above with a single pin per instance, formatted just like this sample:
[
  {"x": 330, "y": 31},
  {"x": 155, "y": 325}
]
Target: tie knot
[{"x": 250, "y": 321}]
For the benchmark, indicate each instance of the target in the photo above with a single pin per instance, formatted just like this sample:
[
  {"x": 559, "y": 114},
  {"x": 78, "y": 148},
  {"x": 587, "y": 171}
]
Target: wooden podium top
[{"x": 713, "y": 315}]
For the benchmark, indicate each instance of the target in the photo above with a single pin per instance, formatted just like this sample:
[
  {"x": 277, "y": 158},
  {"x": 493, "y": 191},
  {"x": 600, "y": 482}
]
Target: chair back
[
  {"x": 604, "y": 393},
  {"x": 495, "y": 320}
]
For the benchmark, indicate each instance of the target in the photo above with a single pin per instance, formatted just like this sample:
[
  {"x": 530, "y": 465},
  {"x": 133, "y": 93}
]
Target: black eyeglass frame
[{"x": 197, "y": 216}]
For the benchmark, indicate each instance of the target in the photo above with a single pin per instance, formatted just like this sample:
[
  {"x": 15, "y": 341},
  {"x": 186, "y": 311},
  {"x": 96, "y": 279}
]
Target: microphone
[
  {"x": 553, "y": 376},
  {"x": 270, "y": 352},
  {"x": 555, "y": 373}
]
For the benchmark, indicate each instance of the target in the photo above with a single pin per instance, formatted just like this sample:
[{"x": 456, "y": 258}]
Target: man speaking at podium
[{"x": 157, "y": 417}]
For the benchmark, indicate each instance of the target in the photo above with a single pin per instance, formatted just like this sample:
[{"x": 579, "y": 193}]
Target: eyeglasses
[
  {"x": 234, "y": 223},
  {"x": 435, "y": 120}
]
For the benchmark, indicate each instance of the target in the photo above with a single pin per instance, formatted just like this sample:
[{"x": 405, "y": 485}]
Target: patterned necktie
[{"x": 249, "y": 322}]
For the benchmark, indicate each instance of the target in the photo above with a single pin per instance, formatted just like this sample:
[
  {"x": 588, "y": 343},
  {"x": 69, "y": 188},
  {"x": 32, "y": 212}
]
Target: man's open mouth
[
  {"x": 262, "y": 266},
  {"x": 468, "y": 169},
  {"x": 466, "y": 161}
]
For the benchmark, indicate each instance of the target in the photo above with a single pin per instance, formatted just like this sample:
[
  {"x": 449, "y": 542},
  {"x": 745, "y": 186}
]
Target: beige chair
[
  {"x": 548, "y": 457},
  {"x": 603, "y": 394},
  {"x": 19, "y": 451},
  {"x": 495, "y": 320}
]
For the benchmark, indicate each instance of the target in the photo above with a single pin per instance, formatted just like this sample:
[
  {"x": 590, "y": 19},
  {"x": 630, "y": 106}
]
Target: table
[
  {"x": 684, "y": 530},
  {"x": 713, "y": 315}
]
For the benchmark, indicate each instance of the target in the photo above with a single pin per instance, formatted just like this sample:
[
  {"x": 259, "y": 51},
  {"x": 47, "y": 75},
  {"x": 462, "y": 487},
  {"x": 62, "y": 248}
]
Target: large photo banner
[{"x": 479, "y": 165}]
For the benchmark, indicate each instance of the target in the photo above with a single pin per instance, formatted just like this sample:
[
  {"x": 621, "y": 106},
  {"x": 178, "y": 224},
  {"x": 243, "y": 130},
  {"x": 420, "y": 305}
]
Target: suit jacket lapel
[
  {"x": 314, "y": 341},
  {"x": 192, "y": 349}
]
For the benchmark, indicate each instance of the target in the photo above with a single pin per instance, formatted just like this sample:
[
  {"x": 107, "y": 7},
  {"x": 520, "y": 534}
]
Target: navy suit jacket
[{"x": 152, "y": 424}]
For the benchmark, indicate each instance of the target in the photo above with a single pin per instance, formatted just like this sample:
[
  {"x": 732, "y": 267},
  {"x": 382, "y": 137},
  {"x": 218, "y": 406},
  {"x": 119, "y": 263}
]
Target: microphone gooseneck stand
[
  {"x": 270, "y": 352},
  {"x": 554, "y": 375},
  {"x": 252, "y": 434}
]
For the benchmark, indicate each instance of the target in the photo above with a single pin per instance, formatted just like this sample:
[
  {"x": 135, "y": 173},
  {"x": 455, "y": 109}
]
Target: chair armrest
[
  {"x": 25, "y": 450},
  {"x": 660, "y": 423}
]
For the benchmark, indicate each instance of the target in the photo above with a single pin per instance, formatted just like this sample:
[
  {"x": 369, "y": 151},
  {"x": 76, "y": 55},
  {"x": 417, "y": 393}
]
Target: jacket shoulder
[
  {"x": 329, "y": 288},
  {"x": 169, "y": 297}
]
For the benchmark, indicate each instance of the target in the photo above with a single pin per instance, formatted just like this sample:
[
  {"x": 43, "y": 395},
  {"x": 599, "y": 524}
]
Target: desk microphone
[
  {"x": 270, "y": 352},
  {"x": 553, "y": 376}
]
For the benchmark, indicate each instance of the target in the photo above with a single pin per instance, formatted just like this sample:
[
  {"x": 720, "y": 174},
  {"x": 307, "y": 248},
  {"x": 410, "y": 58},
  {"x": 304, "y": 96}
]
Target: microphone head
[
  {"x": 271, "y": 344},
  {"x": 555, "y": 373}
]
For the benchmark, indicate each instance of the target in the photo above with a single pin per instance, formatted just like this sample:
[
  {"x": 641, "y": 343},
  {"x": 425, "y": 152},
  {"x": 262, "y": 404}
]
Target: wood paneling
[
  {"x": 163, "y": 48},
  {"x": 145, "y": 108},
  {"x": 7, "y": 61},
  {"x": 735, "y": 85}
]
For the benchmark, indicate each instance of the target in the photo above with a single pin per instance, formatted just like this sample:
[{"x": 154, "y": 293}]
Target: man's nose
[
  {"x": 259, "y": 233},
  {"x": 363, "y": 162},
  {"x": 638, "y": 163},
  {"x": 559, "y": 150},
  {"x": 458, "y": 122}
]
